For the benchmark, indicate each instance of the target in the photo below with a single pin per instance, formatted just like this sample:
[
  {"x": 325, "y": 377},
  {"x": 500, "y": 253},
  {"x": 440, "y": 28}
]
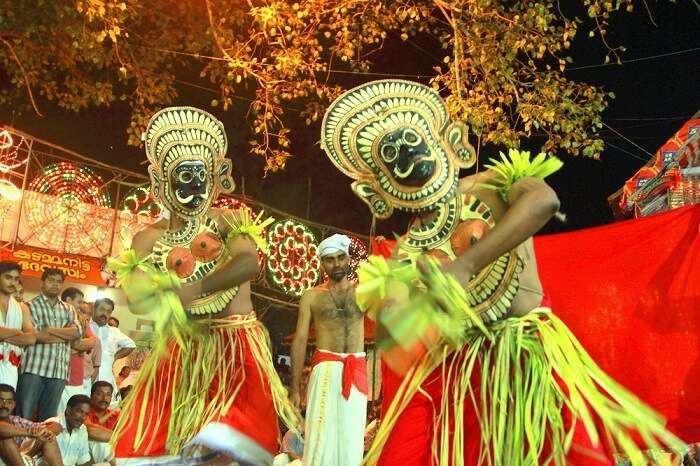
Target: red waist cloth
[{"x": 354, "y": 370}]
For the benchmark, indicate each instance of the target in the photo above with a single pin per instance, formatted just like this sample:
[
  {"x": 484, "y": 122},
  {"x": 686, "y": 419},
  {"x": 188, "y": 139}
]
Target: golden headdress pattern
[
  {"x": 176, "y": 133},
  {"x": 356, "y": 122}
]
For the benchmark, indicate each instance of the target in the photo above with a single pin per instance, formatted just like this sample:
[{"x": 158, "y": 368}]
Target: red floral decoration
[{"x": 293, "y": 264}]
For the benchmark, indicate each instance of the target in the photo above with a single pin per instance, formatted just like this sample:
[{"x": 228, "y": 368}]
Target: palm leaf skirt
[
  {"x": 520, "y": 382},
  {"x": 200, "y": 372}
]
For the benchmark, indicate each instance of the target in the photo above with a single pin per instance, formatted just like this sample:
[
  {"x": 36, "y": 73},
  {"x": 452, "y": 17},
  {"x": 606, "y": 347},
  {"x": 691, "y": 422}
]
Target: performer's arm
[
  {"x": 531, "y": 203},
  {"x": 70, "y": 332},
  {"x": 301, "y": 337},
  {"x": 27, "y": 336},
  {"x": 96, "y": 360}
]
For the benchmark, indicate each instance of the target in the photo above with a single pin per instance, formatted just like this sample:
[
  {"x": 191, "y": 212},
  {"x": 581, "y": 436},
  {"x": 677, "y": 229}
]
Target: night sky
[{"x": 654, "y": 98}]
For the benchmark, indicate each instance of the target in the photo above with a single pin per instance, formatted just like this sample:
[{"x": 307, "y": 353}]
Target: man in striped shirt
[{"x": 44, "y": 367}]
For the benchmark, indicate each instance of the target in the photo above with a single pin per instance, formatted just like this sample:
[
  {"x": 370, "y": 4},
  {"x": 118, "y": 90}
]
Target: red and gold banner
[{"x": 78, "y": 269}]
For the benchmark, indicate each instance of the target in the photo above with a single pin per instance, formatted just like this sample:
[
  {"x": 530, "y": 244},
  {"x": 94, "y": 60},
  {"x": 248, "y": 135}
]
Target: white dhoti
[
  {"x": 336, "y": 410},
  {"x": 101, "y": 452}
]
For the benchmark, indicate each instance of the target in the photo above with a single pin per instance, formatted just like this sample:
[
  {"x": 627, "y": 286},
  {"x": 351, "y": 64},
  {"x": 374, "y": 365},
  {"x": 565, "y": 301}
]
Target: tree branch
[{"x": 24, "y": 75}]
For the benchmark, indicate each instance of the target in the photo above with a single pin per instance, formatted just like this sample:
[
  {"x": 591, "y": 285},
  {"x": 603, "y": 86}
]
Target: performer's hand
[
  {"x": 295, "y": 398},
  {"x": 188, "y": 292}
]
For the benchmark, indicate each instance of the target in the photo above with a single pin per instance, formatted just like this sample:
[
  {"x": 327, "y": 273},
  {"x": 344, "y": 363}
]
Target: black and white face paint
[{"x": 191, "y": 184}]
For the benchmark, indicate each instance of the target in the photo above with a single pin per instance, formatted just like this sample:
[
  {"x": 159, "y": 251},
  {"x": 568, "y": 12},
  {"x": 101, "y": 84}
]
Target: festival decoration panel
[
  {"x": 137, "y": 210},
  {"x": 225, "y": 202},
  {"x": 293, "y": 264},
  {"x": 14, "y": 153},
  {"x": 68, "y": 210}
]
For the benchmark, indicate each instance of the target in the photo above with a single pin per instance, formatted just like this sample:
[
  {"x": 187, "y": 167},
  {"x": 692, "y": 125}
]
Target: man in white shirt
[
  {"x": 73, "y": 438},
  {"x": 16, "y": 327},
  {"x": 115, "y": 345}
]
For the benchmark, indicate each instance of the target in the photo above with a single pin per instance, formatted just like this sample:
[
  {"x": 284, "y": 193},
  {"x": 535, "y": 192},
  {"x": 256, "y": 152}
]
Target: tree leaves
[{"x": 503, "y": 70}]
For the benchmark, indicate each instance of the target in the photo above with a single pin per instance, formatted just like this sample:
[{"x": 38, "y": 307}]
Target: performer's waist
[
  {"x": 326, "y": 355},
  {"x": 232, "y": 321}
]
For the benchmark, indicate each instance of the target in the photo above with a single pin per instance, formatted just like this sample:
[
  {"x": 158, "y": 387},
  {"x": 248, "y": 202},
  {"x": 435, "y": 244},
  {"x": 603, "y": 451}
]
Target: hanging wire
[
  {"x": 634, "y": 60},
  {"x": 626, "y": 152},
  {"x": 628, "y": 139}
]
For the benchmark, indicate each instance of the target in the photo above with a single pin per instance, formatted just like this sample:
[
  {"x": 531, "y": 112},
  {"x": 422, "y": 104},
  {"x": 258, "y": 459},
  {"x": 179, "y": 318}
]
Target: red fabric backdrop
[{"x": 630, "y": 292}]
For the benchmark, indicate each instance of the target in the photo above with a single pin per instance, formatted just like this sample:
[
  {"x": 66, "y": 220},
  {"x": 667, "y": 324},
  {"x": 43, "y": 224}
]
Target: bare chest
[{"x": 337, "y": 308}]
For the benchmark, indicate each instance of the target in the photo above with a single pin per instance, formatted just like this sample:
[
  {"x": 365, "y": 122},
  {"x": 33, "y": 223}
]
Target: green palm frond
[{"x": 518, "y": 165}]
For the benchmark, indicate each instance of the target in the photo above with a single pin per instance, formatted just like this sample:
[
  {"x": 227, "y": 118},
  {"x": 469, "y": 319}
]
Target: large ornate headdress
[
  {"x": 395, "y": 139},
  {"x": 186, "y": 134}
]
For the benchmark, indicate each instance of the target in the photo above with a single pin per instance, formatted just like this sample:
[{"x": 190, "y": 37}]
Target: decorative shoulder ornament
[{"x": 395, "y": 139}]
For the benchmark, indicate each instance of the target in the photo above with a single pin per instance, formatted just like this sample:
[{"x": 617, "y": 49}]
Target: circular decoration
[
  {"x": 225, "y": 202},
  {"x": 358, "y": 255},
  {"x": 12, "y": 153},
  {"x": 137, "y": 210},
  {"x": 293, "y": 264},
  {"x": 67, "y": 210},
  {"x": 9, "y": 191},
  {"x": 138, "y": 201}
]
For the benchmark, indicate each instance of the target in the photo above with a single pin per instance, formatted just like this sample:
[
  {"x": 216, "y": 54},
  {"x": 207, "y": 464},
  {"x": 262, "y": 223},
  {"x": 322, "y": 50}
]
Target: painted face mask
[
  {"x": 186, "y": 148},
  {"x": 191, "y": 183},
  {"x": 394, "y": 138}
]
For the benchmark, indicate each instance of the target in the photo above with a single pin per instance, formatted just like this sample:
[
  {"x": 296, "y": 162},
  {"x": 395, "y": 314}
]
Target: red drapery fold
[{"x": 630, "y": 292}]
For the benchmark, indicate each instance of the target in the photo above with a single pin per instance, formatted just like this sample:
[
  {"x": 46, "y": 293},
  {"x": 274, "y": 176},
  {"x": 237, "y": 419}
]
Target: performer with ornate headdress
[
  {"x": 481, "y": 372},
  {"x": 209, "y": 390}
]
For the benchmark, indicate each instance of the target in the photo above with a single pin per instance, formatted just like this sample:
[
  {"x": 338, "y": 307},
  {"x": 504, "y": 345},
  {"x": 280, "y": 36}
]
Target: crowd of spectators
[{"x": 58, "y": 391}]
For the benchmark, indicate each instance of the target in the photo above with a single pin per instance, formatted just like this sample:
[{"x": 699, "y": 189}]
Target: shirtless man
[
  {"x": 502, "y": 377},
  {"x": 336, "y": 404},
  {"x": 213, "y": 254}
]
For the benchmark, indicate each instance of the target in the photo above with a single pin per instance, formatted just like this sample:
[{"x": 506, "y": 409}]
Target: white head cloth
[{"x": 334, "y": 244}]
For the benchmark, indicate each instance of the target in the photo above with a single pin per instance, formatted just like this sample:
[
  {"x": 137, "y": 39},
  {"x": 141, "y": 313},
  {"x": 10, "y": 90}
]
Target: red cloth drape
[
  {"x": 630, "y": 292},
  {"x": 354, "y": 369}
]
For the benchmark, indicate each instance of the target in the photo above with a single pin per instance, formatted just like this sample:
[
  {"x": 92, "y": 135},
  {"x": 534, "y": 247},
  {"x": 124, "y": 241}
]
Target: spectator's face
[
  {"x": 8, "y": 282},
  {"x": 101, "y": 398},
  {"x": 102, "y": 313},
  {"x": 75, "y": 416},
  {"x": 51, "y": 287},
  {"x": 112, "y": 322},
  {"x": 7, "y": 404},
  {"x": 76, "y": 302},
  {"x": 19, "y": 291},
  {"x": 85, "y": 311}
]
